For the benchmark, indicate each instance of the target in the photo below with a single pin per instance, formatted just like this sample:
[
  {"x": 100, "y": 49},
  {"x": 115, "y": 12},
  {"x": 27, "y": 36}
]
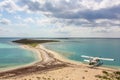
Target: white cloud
[
  {"x": 8, "y": 5},
  {"x": 28, "y": 20},
  {"x": 5, "y": 21},
  {"x": 107, "y": 21},
  {"x": 44, "y": 21},
  {"x": 95, "y": 5},
  {"x": 11, "y": 6},
  {"x": 109, "y": 3},
  {"x": 98, "y": 31},
  {"x": 71, "y": 17}
]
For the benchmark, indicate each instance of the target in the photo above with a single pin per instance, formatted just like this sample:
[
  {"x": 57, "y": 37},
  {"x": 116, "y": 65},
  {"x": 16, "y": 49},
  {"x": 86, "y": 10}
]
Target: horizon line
[{"x": 68, "y": 37}]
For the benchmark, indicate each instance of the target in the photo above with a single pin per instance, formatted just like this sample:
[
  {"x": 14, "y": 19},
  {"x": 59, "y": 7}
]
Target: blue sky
[{"x": 60, "y": 18}]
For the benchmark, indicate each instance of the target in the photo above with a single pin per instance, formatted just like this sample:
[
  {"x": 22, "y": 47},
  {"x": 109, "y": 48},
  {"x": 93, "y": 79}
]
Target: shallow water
[
  {"x": 74, "y": 48},
  {"x": 11, "y": 55}
]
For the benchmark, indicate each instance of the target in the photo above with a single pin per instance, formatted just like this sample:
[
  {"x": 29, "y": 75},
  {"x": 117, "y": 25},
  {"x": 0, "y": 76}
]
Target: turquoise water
[
  {"x": 11, "y": 55},
  {"x": 74, "y": 48}
]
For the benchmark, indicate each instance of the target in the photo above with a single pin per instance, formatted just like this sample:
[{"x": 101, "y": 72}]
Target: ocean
[
  {"x": 73, "y": 48},
  {"x": 11, "y": 55}
]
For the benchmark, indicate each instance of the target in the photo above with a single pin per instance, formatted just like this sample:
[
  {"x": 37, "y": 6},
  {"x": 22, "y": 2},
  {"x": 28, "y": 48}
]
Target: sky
[{"x": 60, "y": 18}]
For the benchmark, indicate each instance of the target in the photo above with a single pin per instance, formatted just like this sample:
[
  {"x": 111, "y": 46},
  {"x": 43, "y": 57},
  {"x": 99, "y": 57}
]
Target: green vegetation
[
  {"x": 33, "y": 43},
  {"x": 109, "y": 75}
]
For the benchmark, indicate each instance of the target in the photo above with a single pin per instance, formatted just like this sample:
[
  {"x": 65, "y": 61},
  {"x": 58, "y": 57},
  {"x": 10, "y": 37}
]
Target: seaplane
[{"x": 95, "y": 61}]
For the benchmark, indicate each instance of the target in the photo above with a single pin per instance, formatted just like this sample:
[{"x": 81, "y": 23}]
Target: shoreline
[
  {"x": 38, "y": 59},
  {"x": 50, "y": 61},
  {"x": 62, "y": 58}
]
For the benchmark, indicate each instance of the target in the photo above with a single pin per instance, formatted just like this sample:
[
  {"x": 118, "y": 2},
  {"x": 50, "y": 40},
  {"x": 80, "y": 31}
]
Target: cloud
[
  {"x": 5, "y": 21},
  {"x": 8, "y": 5},
  {"x": 86, "y": 9},
  {"x": 28, "y": 20},
  {"x": 74, "y": 31},
  {"x": 65, "y": 9},
  {"x": 106, "y": 13},
  {"x": 72, "y": 17},
  {"x": 99, "y": 4},
  {"x": 81, "y": 13},
  {"x": 107, "y": 22}
]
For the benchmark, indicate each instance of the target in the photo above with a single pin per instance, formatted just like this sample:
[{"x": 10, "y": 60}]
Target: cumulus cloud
[
  {"x": 5, "y": 21},
  {"x": 70, "y": 16},
  {"x": 8, "y": 5},
  {"x": 106, "y": 13},
  {"x": 94, "y": 9},
  {"x": 68, "y": 13},
  {"x": 90, "y": 10}
]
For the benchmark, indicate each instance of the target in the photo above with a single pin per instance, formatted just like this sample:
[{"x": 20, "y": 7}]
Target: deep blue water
[
  {"x": 11, "y": 55},
  {"x": 74, "y": 48}
]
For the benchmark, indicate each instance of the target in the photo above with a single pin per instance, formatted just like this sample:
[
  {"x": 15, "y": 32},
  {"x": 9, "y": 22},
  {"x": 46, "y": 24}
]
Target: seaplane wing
[
  {"x": 108, "y": 59},
  {"x": 87, "y": 56}
]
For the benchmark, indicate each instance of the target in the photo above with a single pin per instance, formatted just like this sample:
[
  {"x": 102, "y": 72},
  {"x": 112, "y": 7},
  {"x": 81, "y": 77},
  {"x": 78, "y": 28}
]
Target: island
[{"x": 33, "y": 42}]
